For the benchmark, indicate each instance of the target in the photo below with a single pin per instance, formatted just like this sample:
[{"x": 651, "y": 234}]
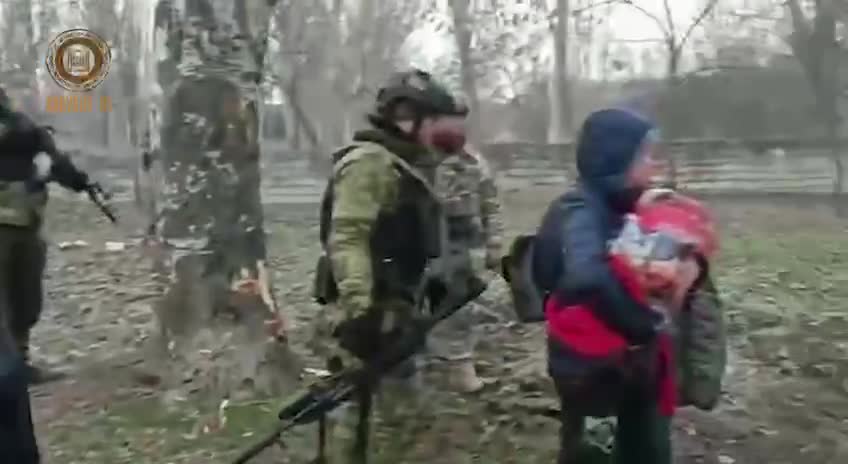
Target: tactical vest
[
  {"x": 20, "y": 207},
  {"x": 402, "y": 240},
  {"x": 22, "y": 202}
]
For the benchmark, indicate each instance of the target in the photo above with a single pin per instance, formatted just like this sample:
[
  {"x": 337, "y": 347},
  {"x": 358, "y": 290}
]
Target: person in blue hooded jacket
[{"x": 615, "y": 164}]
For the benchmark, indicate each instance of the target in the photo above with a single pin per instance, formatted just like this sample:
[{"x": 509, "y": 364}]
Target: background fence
[
  {"x": 742, "y": 167},
  {"x": 759, "y": 166}
]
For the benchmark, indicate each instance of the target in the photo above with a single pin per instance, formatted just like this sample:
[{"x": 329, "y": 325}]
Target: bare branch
[
  {"x": 799, "y": 22},
  {"x": 697, "y": 21},
  {"x": 670, "y": 20},
  {"x": 578, "y": 11}
]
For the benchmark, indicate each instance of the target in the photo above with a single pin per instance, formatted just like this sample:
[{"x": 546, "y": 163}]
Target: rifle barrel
[{"x": 262, "y": 445}]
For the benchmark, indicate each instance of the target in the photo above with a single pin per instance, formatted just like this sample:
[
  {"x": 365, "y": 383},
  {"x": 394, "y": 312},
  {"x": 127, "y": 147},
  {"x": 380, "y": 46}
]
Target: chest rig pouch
[
  {"x": 18, "y": 206},
  {"x": 402, "y": 241},
  {"x": 459, "y": 184}
]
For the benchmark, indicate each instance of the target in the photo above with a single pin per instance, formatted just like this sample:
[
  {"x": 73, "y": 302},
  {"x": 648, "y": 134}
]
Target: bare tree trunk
[
  {"x": 219, "y": 317},
  {"x": 22, "y": 58},
  {"x": 672, "y": 71},
  {"x": 815, "y": 46},
  {"x": 462, "y": 23},
  {"x": 560, "y": 123},
  {"x": 301, "y": 119}
]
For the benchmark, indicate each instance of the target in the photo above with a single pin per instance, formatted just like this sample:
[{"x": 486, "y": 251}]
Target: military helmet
[{"x": 421, "y": 90}]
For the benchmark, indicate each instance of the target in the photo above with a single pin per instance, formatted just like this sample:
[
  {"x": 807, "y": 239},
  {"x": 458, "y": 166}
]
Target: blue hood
[{"x": 608, "y": 144}]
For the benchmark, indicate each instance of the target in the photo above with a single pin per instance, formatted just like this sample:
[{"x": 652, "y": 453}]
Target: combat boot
[
  {"x": 35, "y": 374},
  {"x": 463, "y": 376}
]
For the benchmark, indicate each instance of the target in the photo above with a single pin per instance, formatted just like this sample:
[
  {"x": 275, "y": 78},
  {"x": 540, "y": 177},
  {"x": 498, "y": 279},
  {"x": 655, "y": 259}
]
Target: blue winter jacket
[{"x": 570, "y": 254}]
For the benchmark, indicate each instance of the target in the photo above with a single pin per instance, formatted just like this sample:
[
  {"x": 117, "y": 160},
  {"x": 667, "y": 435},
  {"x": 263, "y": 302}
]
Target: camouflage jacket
[
  {"x": 384, "y": 220},
  {"x": 467, "y": 186}
]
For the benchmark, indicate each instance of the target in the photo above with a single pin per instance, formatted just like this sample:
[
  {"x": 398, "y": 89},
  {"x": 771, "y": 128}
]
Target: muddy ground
[{"x": 782, "y": 272}]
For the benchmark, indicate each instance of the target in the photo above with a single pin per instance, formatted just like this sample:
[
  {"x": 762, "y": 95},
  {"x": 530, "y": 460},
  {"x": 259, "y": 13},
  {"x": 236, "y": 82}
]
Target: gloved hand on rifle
[
  {"x": 100, "y": 197},
  {"x": 366, "y": 333}
]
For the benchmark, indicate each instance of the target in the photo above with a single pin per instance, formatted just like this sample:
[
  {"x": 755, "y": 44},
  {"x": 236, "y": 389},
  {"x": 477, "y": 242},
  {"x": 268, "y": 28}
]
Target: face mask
[{"x": 446, "y": 134}]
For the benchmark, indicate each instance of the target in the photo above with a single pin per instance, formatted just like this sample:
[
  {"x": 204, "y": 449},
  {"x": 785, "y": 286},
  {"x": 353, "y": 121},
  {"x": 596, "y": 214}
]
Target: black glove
[{"x": 361, "y": 336}]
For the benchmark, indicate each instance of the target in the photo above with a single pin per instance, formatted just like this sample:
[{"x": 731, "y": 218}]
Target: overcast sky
[{"x": 624, "y": 22}]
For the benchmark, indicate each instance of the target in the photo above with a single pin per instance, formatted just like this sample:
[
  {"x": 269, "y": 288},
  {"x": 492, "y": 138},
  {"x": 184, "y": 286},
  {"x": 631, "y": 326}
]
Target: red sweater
[{"x": 581, "y": 331}]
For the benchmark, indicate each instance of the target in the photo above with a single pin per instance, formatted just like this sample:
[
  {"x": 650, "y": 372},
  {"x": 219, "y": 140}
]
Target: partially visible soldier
[
  {"x": 475, "y": 234},
  {"x": 380, "y": 224},
  {"x": 17, "y": 435},
  {"x": 29, "y": 160}
]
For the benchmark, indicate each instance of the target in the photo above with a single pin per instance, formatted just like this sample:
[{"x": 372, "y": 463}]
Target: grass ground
[{"x": 782, "y": 273}]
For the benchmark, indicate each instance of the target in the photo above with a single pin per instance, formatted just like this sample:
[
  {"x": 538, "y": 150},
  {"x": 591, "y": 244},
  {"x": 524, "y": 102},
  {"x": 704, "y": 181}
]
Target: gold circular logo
[{"x": 78, "y": 60}]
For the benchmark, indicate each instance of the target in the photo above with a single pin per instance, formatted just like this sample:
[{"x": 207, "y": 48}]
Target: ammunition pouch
[
  {"x": 18, "y": 206},
  {"x": 324, "y": 289}
]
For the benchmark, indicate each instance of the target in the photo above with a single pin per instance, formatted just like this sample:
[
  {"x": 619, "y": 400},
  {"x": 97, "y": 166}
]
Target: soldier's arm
[
  {"x": 361, "y": 190},
  {"x": 490, "y": 208},
  {"x": 62, "y": 169}
]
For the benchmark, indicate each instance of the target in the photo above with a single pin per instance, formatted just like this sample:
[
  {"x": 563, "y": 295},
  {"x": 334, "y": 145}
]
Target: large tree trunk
[
  {"x": 814, "y": 44},
  {"x": 462, "y": 23},
  {"x": 219, "y": 319},
  {"x": 560, "y": 124}
]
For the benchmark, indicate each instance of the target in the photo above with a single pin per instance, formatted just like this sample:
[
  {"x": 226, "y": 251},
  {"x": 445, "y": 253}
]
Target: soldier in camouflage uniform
[
  {"x": 380, "y": 225},
  {"x": 29, "y": 160},
  {"x": 475, "y": 234}
]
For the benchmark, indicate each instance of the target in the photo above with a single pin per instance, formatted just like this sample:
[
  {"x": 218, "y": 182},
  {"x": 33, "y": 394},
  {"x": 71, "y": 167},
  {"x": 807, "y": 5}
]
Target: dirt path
[{"x": 786, "y": 399}]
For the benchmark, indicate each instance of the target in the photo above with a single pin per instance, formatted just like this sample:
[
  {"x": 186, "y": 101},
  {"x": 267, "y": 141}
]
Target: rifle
[
  {"x": 100, "y": 198},
  {"x": 327, "y": 394}
]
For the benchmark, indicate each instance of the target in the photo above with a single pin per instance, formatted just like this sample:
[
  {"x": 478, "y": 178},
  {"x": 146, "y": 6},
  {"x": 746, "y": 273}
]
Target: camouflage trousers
[
  {"x": 382, "y": 425},
  {"x": 379, "y": 425},
  {"x": 453, "y": 339},
  {"x": 23, "y": 255}
]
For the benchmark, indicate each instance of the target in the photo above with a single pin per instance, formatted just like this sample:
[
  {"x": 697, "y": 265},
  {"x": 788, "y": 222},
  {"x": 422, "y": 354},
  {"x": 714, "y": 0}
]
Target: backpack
[
  {"x": 528, "y": 298},
  {"x": 701, "y": 347},
  {"x": 533, "y": 266}
]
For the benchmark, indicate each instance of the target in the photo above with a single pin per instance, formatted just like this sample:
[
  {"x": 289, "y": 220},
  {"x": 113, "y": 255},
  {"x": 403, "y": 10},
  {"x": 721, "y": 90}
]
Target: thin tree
[
  {"x": 560, "y": 125},
  {"x": 463, "y": 33}
]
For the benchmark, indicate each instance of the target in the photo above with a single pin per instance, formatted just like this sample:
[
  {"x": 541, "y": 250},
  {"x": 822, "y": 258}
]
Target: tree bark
[
  {"x": 219, "y": 318},
  {"x": 814, "y": 44},
  {"x": 560, "y": 123}
]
